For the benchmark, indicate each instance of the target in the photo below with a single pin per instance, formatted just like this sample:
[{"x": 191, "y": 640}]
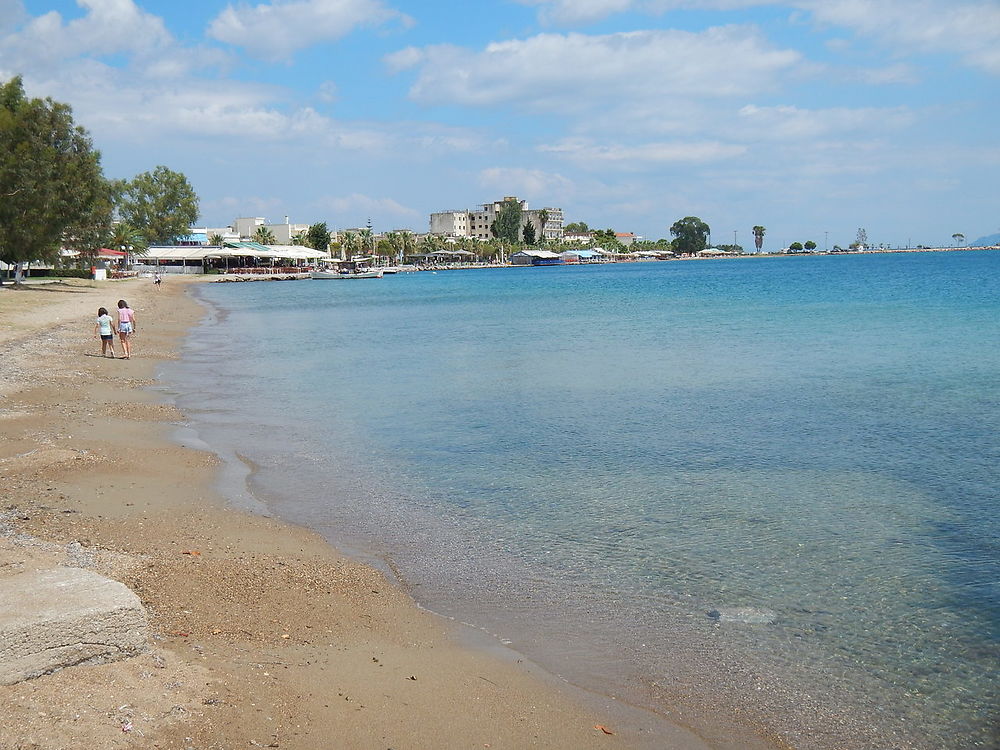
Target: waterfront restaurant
[{"x": 241, "y": 257}]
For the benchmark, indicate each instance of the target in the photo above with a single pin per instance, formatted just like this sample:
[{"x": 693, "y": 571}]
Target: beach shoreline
[{"x": 262, "y": 633}]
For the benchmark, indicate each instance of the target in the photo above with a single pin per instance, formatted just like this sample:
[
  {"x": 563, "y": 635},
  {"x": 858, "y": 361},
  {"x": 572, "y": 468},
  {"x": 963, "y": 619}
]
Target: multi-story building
[
  {"x": 477, "y": 223},
  {"x": 247, "y": 226}
]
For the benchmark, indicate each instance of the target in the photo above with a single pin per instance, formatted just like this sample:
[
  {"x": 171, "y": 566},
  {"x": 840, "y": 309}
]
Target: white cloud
[
  {"x": 787, "y": 122},
  {"x": 896, "y": 73},
  {"x": 969, "y": 29},
  {"x": 109, "y": 27},
  {"x": 574, "y": 72},
  {"x": 530, "y": 183},
  {"x": 586, "y": 152},
  {"x": 12, "y": 13},
  {"x": 276, "y": 30},
  {"x": 573, "y": 12}
]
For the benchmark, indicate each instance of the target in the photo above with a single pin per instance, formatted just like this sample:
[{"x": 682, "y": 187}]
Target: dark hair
[
  {"x": 122, "y": 303},
  {"x": 102, "y": 311}
]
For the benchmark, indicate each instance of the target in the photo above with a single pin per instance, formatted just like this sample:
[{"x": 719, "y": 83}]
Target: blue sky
[{"x": 811, "y": 117}]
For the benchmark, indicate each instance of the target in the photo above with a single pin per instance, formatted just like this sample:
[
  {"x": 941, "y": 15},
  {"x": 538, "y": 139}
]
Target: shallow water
[{"x": 587, "y": 461}]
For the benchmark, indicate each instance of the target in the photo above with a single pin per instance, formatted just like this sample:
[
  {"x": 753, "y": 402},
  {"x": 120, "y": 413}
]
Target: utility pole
[
  {"x": 826, "y": 241},
  {"x": 734, "y": 240}
]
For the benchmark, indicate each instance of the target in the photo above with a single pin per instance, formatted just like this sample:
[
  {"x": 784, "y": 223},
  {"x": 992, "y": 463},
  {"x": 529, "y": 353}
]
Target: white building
[
  {"x": 477, "y": 223},
  {"x": 245, "y": 227}
]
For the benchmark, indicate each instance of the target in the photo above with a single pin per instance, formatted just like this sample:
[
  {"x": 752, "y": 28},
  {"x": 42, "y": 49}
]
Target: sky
[{"x": 813, "y": 118}]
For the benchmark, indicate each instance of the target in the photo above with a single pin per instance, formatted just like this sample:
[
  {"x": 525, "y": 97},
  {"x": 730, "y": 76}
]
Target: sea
[{"x": 747, "y": 492}]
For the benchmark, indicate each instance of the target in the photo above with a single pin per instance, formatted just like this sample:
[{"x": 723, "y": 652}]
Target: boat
[{"x": 345, "y": 274}]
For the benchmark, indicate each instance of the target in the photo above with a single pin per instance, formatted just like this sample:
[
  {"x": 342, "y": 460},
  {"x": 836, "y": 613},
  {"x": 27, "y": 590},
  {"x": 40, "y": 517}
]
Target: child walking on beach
[
  {"x": 126, "y": 327},
  {"x": 105, "y": 331}
]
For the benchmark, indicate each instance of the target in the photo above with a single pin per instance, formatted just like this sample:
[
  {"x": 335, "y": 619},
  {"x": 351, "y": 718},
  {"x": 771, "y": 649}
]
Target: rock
[
  {"x": 60, "y": 617},
  {"x": 746, "y": 615}
]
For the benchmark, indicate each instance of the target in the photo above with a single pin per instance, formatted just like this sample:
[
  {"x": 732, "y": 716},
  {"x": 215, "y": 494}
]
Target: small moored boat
[{"x": 345, "y": 274}]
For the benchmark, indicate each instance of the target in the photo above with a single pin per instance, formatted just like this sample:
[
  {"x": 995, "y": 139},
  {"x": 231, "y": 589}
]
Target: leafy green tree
[
  {"x": 809, "y": 245},
  {"x": 690, "y": 234},
  {"x": 95, "y": 229},
  {"x": 795, "y": 247},
  {"x": 161, "y": 204},
  {"x": 264, "y": 236},
  {"x": 528, "y": 233},
  {"x": 318, "y": 236},
  {"x": 758, "y": 236},
  {"x": 576, "y": 227},
  {"x": 958, "y": 237},
  {"x": 608, "y": 240},
  {"x": 507, "y": 225},
  {"x": 50, "y": 177}
]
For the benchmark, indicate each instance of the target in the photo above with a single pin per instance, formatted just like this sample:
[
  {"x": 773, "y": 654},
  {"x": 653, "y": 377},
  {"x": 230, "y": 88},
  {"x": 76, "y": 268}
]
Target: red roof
[{"x": 107, "y": 251}]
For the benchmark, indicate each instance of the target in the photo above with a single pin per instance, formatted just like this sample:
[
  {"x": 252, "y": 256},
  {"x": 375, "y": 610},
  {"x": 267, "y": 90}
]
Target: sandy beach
[{"x": 262, "y": 634}]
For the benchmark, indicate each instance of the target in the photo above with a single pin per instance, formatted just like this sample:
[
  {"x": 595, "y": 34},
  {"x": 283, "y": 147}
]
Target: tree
[
  {"x": 795, "y": 247},
  {"x": 351, "y": 244},
  {"x": 758, "y": 236},
  {"x": 409, "y": 244},
  {"x": 958, "y": 237},
  {"x": 95, "y": 228},
  {"x": 690, "y": 235},
  {"x": 576, "y": 227},
  {"x": 161, "y": 204},
  {"x": 318, "y": 236},
  {"x": 429, "y": 244},
  {"x": 264, "y": 236},
  {"x": 300, "y": 239},
  {"x": 607, "y": 239},
  {"x": 809, "y": 245},
  {"x": 216, "y": 240},
  {"x": 528, "y": 232},
  {"x": 543, "y": 219},
  {"x": 124, "y": 235},
  {"x": 50, "y": 176},
  {"x": 507, "y": 224},
  {"x": 367, "y": 239},
  {"x": 862, "y": 239}
]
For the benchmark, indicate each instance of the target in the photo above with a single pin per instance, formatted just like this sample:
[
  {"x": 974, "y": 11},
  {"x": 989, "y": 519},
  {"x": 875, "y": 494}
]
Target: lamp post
[{"x": 826, "y": 241}]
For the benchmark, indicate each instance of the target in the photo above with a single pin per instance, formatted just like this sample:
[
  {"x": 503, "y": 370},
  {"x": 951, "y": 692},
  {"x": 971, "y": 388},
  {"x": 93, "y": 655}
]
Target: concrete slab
[{"x": 59, "y": 617}]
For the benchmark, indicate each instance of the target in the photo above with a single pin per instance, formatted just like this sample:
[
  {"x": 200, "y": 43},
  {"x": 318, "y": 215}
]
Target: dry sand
[{"x": 263, "y": 635}]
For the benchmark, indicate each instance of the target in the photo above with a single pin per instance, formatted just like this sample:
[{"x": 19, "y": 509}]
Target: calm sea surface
[{"x": 762, "y": 488}]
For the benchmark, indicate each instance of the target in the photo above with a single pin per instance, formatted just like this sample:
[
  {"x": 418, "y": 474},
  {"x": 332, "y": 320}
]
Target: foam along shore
[{"x": 261, "y": 635}]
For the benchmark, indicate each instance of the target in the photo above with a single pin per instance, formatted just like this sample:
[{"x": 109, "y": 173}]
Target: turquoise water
[{"x": 761, "y": 488}]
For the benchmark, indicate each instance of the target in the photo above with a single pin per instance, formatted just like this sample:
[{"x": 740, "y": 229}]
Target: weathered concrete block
[{"x": 60, "y": 617}]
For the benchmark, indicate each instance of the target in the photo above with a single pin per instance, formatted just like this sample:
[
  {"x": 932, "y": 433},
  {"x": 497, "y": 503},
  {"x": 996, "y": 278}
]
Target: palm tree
[
  {"x": 264, "y": 236},
  {"x": 409, "y": 244},
  {"x": 758, "y": 236},
  {"x": 300, "y": 238},
  {"x": 367, "y": 238},
  {"x": 216, "y": 240},
  {"x": 543, "y": 219},
  {"x": 350, "y": 244}
]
